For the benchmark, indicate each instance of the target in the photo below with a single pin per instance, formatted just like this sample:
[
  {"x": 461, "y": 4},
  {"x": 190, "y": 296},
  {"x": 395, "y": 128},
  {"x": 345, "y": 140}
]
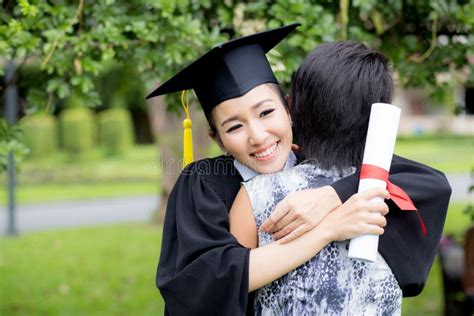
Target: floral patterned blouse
[{"x": 330, "y": 283}]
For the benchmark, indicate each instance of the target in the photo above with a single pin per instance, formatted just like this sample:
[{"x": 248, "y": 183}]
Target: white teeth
[{"x": 267, "y": 152}]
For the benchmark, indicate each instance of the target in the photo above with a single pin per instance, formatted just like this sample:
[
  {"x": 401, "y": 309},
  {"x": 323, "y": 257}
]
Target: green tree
[
  {"x": 423, "y": 39},
  {"x": 9, "y": 142},
  {"x": 71, "y": 40}
]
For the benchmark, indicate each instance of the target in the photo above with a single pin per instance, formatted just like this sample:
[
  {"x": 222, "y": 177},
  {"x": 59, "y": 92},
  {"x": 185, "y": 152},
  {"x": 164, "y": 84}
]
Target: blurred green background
[{"x": 85, "y": 132}]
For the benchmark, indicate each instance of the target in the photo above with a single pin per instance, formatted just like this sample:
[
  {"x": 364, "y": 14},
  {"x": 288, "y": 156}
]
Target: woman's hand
[
  {"x": 360, "y": 215},
  {"x": 300, "y": 212}
]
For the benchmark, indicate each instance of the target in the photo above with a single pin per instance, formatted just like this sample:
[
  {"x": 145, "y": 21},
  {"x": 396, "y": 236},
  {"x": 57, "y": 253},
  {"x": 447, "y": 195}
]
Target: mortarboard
[{"x": 227, "y": 71}]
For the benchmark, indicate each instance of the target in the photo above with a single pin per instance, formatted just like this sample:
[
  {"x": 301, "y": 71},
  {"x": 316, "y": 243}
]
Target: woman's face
[{"x": 255, "y": 129}]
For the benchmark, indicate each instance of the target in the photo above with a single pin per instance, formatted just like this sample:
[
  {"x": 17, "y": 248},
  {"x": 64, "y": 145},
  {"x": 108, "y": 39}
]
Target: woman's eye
[
  {"x": 266, "y": 112},
  {"x": 233, "y": 128}
]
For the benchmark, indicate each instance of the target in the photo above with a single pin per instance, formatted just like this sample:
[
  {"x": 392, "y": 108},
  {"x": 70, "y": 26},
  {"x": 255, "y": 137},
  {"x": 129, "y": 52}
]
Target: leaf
[
  {"x": 53, "y": 85},
  {"x": 63, "y": 91},
  {"x": 36, "y": 99},
  {"x": 377, "y": 19},
  {"x": 75, "y": 81}
]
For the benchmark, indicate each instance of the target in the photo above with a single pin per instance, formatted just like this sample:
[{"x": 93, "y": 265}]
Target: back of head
[{"x": 332, "y": 94}]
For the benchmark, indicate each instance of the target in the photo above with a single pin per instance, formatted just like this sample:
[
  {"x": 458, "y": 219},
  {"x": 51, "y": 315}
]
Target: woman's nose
[{"x": 257, "y": 134}]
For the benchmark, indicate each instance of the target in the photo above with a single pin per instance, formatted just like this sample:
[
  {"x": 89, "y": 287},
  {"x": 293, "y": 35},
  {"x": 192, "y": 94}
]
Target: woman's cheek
[{"x": 234, "y": 143}]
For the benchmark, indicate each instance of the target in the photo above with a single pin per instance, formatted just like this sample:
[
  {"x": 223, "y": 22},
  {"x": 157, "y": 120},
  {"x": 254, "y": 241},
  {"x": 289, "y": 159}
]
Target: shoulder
[
  {"x": 217, "y": 166},
  {"x": 422, "y": 172},
  {"x": 218, "y": 175},
  {"x": 411, "y": 165},
  {"x": 209, "y": 168}
]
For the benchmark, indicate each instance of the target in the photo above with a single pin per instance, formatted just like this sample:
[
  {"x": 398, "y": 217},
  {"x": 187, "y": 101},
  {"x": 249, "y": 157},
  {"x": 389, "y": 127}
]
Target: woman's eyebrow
[{"x": 254, "y": 107}]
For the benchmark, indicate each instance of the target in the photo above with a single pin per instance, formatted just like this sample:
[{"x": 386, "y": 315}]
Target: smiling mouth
[{"x": 268, "y": 153}]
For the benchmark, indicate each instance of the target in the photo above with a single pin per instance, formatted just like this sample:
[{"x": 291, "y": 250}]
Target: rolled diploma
[{"x": 379, "y": 146}]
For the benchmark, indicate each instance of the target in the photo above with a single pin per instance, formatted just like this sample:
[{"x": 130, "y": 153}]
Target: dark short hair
[{"x": 332, "y": 94}]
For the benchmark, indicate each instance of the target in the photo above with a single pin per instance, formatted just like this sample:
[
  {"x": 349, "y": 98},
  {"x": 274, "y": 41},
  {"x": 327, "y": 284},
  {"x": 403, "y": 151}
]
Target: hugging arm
[
  {"x": 407, "y": 252},
  {"x": 242, "y": 221},
  {"x": 269, "y": 262},
  {"x": 300, "y": 211}
]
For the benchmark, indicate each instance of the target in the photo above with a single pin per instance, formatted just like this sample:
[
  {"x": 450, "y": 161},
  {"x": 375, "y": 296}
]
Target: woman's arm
[
  {"x": 300, "y": 211},
  {"x": 356, "y": 217},
  {"x": 429, "y": 190},
  {"x": 242, "y": 221}
]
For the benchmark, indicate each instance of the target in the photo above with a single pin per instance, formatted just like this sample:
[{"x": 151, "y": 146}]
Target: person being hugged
[{"x": 332, "y": 94}]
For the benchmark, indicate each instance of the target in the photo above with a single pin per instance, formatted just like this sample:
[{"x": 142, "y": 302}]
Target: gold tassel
[{"x": 188, "y": 156}]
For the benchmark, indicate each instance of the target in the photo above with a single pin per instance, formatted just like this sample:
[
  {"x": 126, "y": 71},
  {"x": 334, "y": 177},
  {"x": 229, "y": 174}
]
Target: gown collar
[{"x": 248, "y": 173}]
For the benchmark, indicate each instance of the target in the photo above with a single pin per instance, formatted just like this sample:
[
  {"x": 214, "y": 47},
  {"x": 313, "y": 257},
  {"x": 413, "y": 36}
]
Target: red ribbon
[{"x": 397, "y": 194}]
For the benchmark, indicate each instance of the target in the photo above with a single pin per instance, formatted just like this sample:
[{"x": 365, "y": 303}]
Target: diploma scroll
[{"x": 379, "y": 146}]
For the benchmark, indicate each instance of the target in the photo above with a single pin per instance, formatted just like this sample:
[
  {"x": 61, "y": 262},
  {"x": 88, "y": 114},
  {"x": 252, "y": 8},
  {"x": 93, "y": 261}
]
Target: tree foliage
[
  {"x": 9, "y": 143},
  {"x": 72, "y": 40},
  {"x": 431, "y": 43}
]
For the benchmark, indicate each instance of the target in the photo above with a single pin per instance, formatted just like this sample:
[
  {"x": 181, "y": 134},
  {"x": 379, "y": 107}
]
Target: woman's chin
[{"x": 269, "y": 167}]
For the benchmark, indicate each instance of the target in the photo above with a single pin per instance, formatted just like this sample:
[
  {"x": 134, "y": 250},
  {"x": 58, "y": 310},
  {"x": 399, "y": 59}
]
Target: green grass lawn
[
  {"x": 447, "y": 153},
  {"x": 94, "y": 175},
  {"x": 137, "y": 164},
  {"x": 110, "y": 270},
  {"x": 81, "y": 191},
  {"x": 457, "y": 221},
  {"x": 106, "y": 270}
]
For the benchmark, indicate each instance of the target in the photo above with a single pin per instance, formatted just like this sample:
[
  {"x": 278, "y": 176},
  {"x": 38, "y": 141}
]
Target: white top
[{"x": 248, "y": 173}]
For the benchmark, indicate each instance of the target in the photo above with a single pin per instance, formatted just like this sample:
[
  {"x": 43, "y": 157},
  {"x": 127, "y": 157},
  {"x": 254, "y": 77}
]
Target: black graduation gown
[
  {"x": 204, "y": 271},
  {"x": 406, "y": 251}
]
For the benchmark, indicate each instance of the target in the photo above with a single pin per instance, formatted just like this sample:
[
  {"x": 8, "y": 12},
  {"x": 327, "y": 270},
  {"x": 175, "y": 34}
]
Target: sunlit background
[{"x": 82, "y": 208}]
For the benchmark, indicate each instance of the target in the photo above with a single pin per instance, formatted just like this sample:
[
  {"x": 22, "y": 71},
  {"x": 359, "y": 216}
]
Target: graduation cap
[{"x": 227, "y": 71}]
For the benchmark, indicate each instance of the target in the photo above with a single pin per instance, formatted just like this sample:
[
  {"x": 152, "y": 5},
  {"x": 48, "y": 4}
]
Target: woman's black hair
[{"x": 332, "y": 94}]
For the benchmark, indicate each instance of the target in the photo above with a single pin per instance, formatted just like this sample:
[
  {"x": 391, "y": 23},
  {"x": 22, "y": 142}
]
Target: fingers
[
  {"x": 288, "y": 219},
  {"x": 372, "y": 230},
  {"x": 375, "y": 218},
  {"x": 378, "y": 207},
  {"x": 360, "y": 203},
  {"x": 295, "y": 234},
  {"x": 287, "y": 229},
  {"x": 375, "y": 192},
  {"x": 360, "y": 215},
  {"x": 373, "y": 213},
  {"x": 281, "y": 209}
]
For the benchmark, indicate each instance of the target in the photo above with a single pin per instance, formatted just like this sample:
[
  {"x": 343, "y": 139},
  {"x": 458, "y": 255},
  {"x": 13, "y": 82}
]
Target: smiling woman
[
  {"x": 255, "y": 129},
  {"x": 203, "y": 269}
]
